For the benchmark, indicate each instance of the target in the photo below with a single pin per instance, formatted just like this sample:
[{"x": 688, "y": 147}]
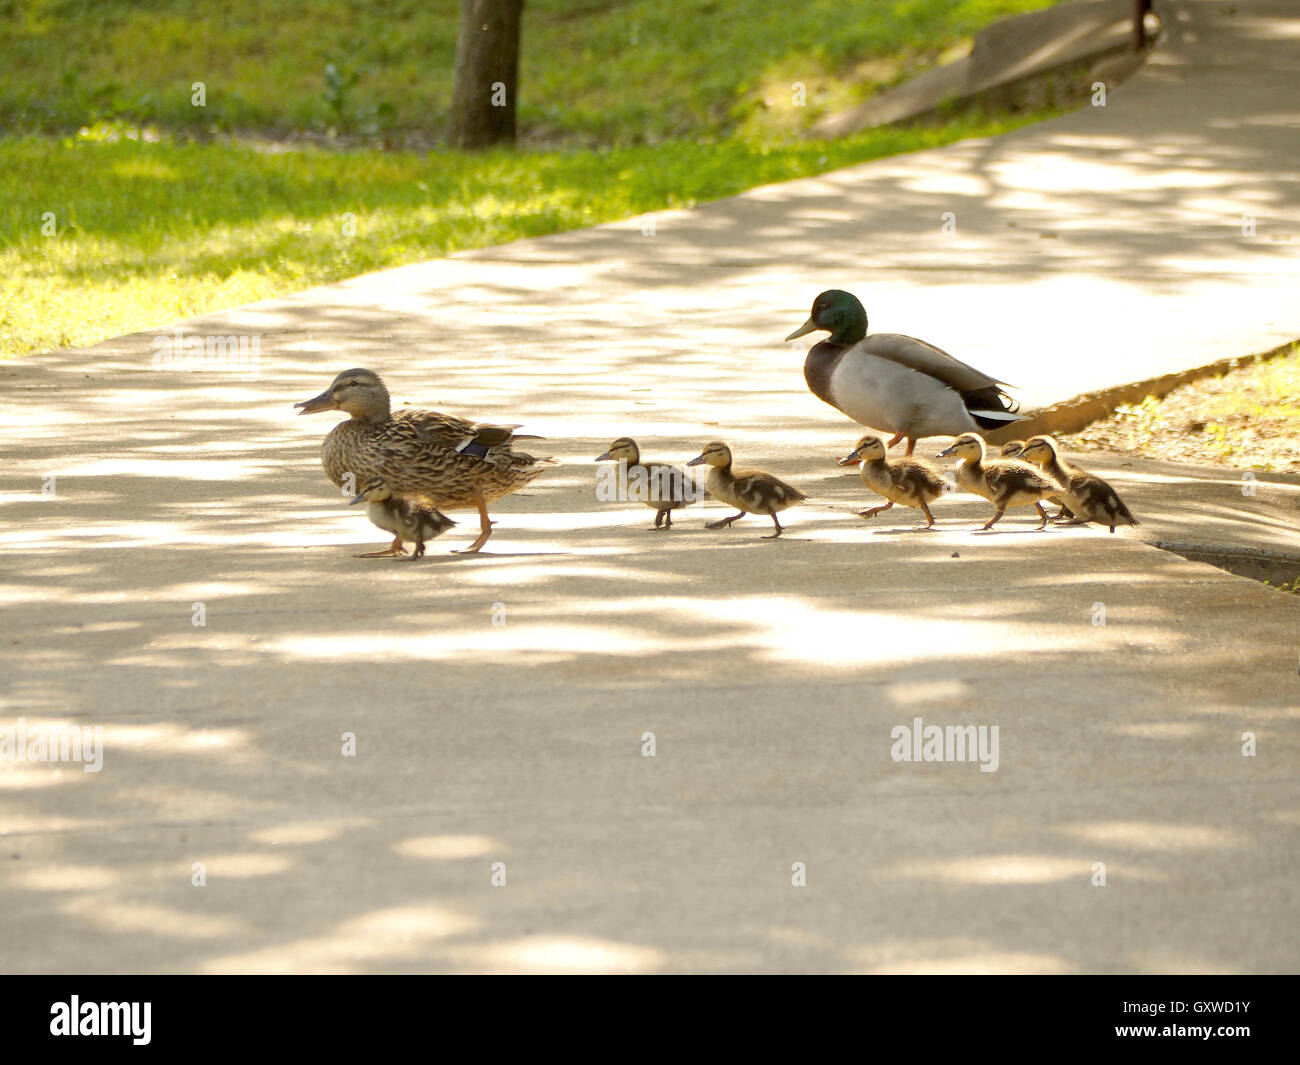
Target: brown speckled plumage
[{"x": 448, "y": 461}]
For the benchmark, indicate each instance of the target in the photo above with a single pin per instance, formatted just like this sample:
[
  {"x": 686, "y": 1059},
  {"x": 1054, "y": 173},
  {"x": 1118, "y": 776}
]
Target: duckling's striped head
[
  {"x": 1039, "y": 450},
  {"x": 838, "y": 312},
  {"x": 623, "y": 448},
  {"x": 967, "y": 446},
  {"x": 375, "y": 490},
  {"x": 1012, "y": 448},
  {"x": 869, "y": 449},
  {"x": 359, "y": 392},
  {"x": 715, "y": 453}
]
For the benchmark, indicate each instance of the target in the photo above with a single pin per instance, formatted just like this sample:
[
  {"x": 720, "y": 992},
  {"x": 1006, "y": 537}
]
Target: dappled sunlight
[
  {"x": 651, "y": 730},
  {"x": 571, "y": 955},
  {"x": 448, "y": 848},
  {"x": 59, "y": 877},
  {"x": 955, "y": 956},
  {"x": 1146, "y": 836},
  {"x": 1010, "y": 869},
  {"x": 298, "y": 833},
  {"x": 381, "y": 937},
  {"x": 123, "y": 917}
]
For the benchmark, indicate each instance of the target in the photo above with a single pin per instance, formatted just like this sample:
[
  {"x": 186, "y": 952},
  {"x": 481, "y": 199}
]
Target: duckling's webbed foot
[
  {"x": 1042, "y": 513},
  {"x": 725, "y": 522},
  {"x": 874, "y": 510},
  {"x": 395, "y": 548},
  {"x": 664, "y": 519},
  {"x": 779, "y": 530}
]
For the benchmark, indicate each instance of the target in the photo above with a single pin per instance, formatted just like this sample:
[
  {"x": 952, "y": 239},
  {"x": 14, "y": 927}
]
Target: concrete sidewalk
[{"x": 771, "y": 673}]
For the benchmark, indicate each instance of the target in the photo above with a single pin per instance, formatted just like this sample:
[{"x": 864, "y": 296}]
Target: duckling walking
[
  {"x": 1087, "y": 497},
  {"x": 750, "y": 491},
  {"x": 1003, "y": 482},
  {"x": 896, "y": 382},
  {"x": 406, "y": 519},
  {"x": 656, "y": 484},
  {"x": 912, "y": 482},
  {"x": 424, "y": 454}
]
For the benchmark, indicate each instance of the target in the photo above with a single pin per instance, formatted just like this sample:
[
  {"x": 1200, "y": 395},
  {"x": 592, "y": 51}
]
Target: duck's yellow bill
[{"x": 807, "y": 327}]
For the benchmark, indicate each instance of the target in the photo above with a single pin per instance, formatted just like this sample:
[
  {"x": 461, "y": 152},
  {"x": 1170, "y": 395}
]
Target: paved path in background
[{"x": 771, "y": 673}]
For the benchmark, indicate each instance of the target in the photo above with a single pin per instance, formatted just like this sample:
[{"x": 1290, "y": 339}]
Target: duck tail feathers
[{"x": 991, "y": 407}]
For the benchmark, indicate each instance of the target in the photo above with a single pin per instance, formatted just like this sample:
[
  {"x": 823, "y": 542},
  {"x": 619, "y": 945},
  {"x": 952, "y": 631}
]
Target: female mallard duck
[
  {"x": 1003, "y": 482},
  {"x": 406, "y": 519},
  {"x": 912, "y": 482},
  {"x": 451, "y": 462},
  {"x": 1087, "y": 497},
  {"x": 895, "y": 382},
  {"x": 656, "y": 484},
  {"x": 750, "y": 491}
]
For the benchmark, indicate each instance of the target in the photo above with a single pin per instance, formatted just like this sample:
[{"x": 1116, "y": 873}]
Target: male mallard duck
[
  {"x": 1003, "y": 482},
  {"x": 895, "y": 382},
  {"x": 750, "y": 491},
  {"x": 656, "y": 484},
  {"x": 452, "y": 462},
  {"x": 407, "y": 519},
  {"x": 1087, "y": 497},
  {"x": 912, "y": 482},
  {"x": 1012, "y": 449}
]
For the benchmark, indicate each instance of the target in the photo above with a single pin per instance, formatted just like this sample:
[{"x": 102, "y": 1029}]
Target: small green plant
[{"x": 339, "y": 83}]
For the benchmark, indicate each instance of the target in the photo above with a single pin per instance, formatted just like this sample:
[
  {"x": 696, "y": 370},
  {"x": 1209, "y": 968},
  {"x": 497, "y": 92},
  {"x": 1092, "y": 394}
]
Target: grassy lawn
[
  {"x": 593, "y": 71},
  {"x": 123, "y": 207}
]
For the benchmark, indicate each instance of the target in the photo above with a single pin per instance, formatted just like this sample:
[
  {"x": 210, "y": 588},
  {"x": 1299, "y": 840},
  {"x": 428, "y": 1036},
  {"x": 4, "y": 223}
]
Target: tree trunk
[
  {"x": 487, "y": 73},
  {"x": 1140, "y": 9}
]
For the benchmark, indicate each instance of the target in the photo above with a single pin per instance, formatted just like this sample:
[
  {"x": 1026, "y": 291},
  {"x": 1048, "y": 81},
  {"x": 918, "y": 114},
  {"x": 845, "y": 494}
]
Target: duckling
[
  {"x": 407, "y": 519},
  {"x": 1012, "y": 449},
  {"x": 751, "y": 491},
  {"x": 912, "y": 482},
  {"x": 1003, "y": 482},
  {"x": 1087, "y": 497},
  {"x": 656, "y": 484},
  {"x": 896, "y": 382}
]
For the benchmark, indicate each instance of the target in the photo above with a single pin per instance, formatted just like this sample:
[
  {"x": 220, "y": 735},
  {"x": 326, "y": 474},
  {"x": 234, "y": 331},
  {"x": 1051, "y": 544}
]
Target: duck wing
[
  {"x": 763, "y": 490},
  {"x": 983, "y": 395},
  {"x": 459, "y": 434}
]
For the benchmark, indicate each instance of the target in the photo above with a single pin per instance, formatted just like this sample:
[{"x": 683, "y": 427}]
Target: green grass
[
  {"x": 149, "y": 232},
  {"x": 592, "y": 72},
  {"x": 159, "y": 211}
]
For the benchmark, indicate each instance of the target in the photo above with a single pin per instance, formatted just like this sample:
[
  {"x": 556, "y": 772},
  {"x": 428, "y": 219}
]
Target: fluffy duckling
[
  {"x": 406, "y": 519},
  {"x": 750, "y": 491},
  {"x": 910, "y": 481},
  {"x": 1087, "y": 497},
  {"x": 1012, "y": 449},
  {"x": 1003, "y": 482},
  {"x": 656, "y": 484}
]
